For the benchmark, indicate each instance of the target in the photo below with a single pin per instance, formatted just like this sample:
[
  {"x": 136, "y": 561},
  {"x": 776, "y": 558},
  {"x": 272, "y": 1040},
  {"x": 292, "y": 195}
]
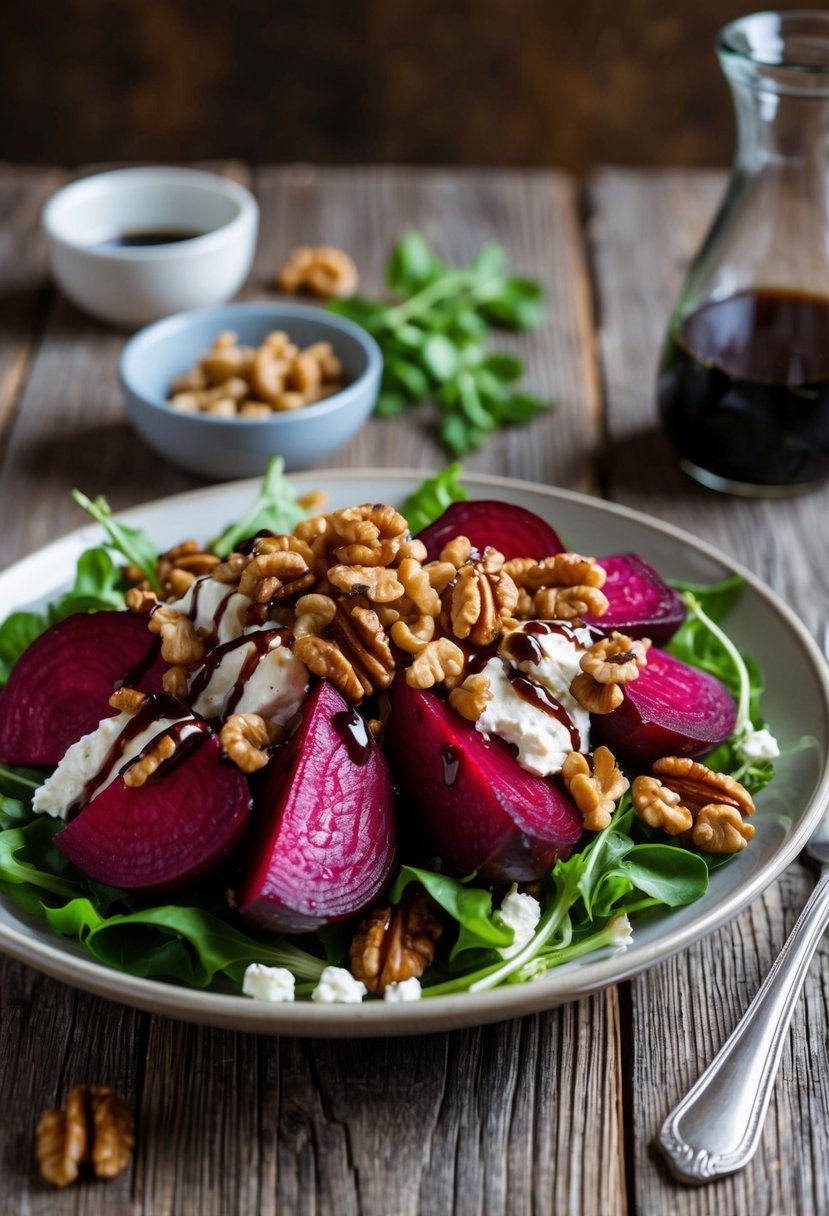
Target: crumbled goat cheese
[
  {"x": 84, "y": 760},
  {"x": 620, "y": 931},
  {"x": 338, "y": 987},
  {"x": 215, "y": 601},
  {"x": 263, "y": 983},
  {"x": 521, "y": 913},
  {"x": 757, "y": 745},
  {"x": 275, "y": 689},
  {"x": 403, "y": 990}
]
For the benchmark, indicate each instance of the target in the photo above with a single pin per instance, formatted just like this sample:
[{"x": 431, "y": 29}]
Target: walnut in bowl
[{"x": 224, "y": 444}]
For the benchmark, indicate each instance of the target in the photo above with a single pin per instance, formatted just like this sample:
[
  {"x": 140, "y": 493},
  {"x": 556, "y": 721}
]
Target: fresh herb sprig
[{"x": 433, "y": 335}]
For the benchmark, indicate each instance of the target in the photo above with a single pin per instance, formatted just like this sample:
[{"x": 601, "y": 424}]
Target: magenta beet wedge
[
  {"x": 322, "y": 846},
  {"x": 59, "y": 688}
]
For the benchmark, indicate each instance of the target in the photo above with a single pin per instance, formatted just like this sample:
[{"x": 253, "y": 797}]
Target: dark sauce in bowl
[
  {"x": 147, "y": 238},
  {"x": 744, "y": 388}
]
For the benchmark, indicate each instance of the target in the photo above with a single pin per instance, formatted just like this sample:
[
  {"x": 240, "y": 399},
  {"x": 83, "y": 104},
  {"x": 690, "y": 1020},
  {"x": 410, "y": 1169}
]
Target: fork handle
[{"x": 716, "y": 1128}]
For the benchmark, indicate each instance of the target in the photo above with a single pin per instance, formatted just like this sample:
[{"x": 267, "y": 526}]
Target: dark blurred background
[{"x": 532, "y": 82}]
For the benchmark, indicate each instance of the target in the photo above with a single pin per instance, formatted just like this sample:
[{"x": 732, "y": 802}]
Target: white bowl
[
  {"x": 131, "y": 286},
  {"x": 224, "y": 448}
]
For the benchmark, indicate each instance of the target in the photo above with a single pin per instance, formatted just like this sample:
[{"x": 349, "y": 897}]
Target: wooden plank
[
  {"x": 509, "y": 1118},
  {"x": 644, "y": 229},
  {"x": 535, "y": 217}
]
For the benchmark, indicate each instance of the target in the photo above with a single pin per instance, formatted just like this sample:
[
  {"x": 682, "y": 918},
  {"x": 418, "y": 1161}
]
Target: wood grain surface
[{"x": 551, "y": 1114}]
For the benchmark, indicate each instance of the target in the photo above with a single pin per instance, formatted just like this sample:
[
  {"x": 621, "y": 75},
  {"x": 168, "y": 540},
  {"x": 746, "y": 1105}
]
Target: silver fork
[{"x": 716, "y": 1128}]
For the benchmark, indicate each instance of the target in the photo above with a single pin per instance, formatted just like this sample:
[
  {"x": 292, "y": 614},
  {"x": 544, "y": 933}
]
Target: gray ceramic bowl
[{"x": 224, "y": 448}]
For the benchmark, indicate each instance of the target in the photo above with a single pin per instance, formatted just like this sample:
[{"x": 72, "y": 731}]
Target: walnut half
[
  {"x": 394, "y": 944},
  {"x": 92, "y": 1127}
]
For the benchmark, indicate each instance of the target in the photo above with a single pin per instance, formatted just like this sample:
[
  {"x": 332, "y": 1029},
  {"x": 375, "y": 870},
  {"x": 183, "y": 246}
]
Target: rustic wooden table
[{"x": 550, "y": 1114}]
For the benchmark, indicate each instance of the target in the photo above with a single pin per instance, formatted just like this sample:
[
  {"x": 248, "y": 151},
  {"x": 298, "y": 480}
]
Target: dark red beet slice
[
  {"x": 671, "y": 710},
  {"x": 641, "y": 604},
  {"x": 59, "y": 688},
  {"x": 510, "y": 529},
  {"x": 481, "y": 810},
  {"x": 165, "y": 834},
  {"x": 323, "y": 846}
]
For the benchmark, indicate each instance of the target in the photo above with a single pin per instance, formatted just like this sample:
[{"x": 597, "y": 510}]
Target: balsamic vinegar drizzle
[
  {"x": 356, "y": 734},
  {"x": 451, "y": 759},
  {"x": 541, "y": 698},
  {"x": 261, "y": 643},
  {"x": 186, "y": 726}
]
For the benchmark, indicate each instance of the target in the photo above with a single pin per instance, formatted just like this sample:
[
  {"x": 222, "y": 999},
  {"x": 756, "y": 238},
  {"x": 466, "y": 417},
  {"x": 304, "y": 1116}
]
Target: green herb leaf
[
  {"x": 411, "y": 265},
  {"x": 96, "y": 587},
  {"x": 430, "y": 499},
  {"x": 471, "y": 907},
  {"x": 130, "y": 542},
  {"x": 277, "y": 509},
  {"x": 17, "y": 632},
  {"x": 440, "y": 357}
]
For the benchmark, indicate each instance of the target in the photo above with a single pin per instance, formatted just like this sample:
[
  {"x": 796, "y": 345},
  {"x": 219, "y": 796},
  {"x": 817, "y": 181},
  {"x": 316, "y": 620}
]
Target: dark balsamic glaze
[
  {"x": 356, "y": 734},
  {"x": 260, "y": 643},
  {"x": 153, "y": 708},
  {"x": 147, "y": 237},
  {"x": 131, "y": 678},
  {"x": 541, "y": 698},
  {"x": 451, "y": 759},
  {"x": 522, "y": 644}
]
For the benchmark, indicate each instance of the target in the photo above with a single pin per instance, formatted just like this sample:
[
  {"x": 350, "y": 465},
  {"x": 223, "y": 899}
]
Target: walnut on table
[
  {"x": 322, "y": 270},
  {"x": 93, "y": 1127}
]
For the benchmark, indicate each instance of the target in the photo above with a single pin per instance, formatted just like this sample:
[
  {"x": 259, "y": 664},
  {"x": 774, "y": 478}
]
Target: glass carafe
[{"x": 744, "y": 377}]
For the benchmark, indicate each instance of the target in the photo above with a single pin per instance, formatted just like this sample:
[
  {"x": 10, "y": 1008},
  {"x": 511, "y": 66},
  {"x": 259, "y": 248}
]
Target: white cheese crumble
[
  {"x": 403, "y": 990},
  {"x": 338, "y": 987},
  {"x": 85, "y": 759},
  {"x": 620, "y": 932},
  {"x": 275, "y": 689},
  {"x": 209, "y": 595},
  {"x": 521, "y": 913},
  {"x": 263, "y": 983},
  {"x": 757, "y": 744}
]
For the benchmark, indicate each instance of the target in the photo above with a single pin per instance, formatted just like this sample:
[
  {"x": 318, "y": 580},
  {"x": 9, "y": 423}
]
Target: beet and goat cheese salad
[{"x": 322, "y": 757}]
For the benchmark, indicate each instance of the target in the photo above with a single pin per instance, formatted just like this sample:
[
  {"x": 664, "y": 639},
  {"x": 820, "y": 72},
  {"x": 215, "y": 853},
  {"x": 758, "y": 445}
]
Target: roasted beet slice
[
  {"x": 59, "y": 688},
  {"x": 165, "y": 834},
  {"x": 513, "y": 530},
  {"x": 481, "y": 810},
  {"x": 672, "y": 709},
  {"x": 641, "y": 604},
  {"x": 323, "y": 845}
]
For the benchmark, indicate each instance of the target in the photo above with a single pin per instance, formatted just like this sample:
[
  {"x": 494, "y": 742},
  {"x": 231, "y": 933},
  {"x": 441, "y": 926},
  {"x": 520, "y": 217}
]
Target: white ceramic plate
[{"x": 797, "y": 704}]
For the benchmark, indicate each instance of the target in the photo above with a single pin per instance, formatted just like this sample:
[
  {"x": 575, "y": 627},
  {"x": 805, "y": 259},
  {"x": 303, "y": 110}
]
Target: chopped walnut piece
[
  {"x": 594, "y": 793},
  {"x": 660, "y": 807},
  {"x": 438, "y": 661},
  {"x": 231, "y": 569},
  {"x": 721, "y": 829},
  {"x": 483, "y": 598},
  {"x": 440, "y": 574},
  {"x": 142, "y": 769},
  {"x": 275, "y": 576},
  {"x": 246, "y": 739},
  {"x": 420, "y": 591},
  {"x": 140, "y": 599},
  {"x": 322, "y": 270},
  {"x": 394, "y": 944},
  {"x": 368, "y": 523},
  {"x": 179, "y": 641},
  {"x": 616, "y": 659},
  {"x": 362, "y": 639},
  {"x": 698, "y": 785},
  {"x": 126, "y": 700},
  {"x": 561, "y": 570},
  {"x": 457, "y": 551},
  {"x": 594, "y": 697},
  {"x": 568, "y": 603},
  {"x": 412, "y": 636},
  {"x": 324, "y": 658},
  {"x": 180, "y": 566},
  {"x": 377, "y": 583},
  {"x": 93, "y": 1126},
  {"x": 174, "y": 682},
  {"x": 314, "y": 614},
  {"x": 470, "y": 698}
]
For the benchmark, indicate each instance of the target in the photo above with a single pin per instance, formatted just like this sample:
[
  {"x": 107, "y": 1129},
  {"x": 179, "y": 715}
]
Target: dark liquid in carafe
[{"x": 744, "y": 388}]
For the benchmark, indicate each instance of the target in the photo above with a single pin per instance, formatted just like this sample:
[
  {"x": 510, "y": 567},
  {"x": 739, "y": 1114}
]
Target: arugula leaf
[
  {"x": 17, "y": 632},
  {"x": 96, "y": 587},
  {"x": 20, "y": 783},
  {"x": 470, "y": 906},
  {"x": 430, "y": 499},
  {"x": 186, "y": 944},
  {"x": 276, "y": 509},
  {"x": 132, "y": 543}
]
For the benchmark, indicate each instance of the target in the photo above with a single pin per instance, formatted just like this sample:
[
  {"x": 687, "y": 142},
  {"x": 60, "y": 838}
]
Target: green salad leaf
[
  {"x": 430, "y": 499},
  {"x": 131, "y": 543},
  {"x": 433, "y": 334},
  {"x": 276, "y": 509},
  {"x": 470, "y": 906},
  {"x": 17, "y": 633}
]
